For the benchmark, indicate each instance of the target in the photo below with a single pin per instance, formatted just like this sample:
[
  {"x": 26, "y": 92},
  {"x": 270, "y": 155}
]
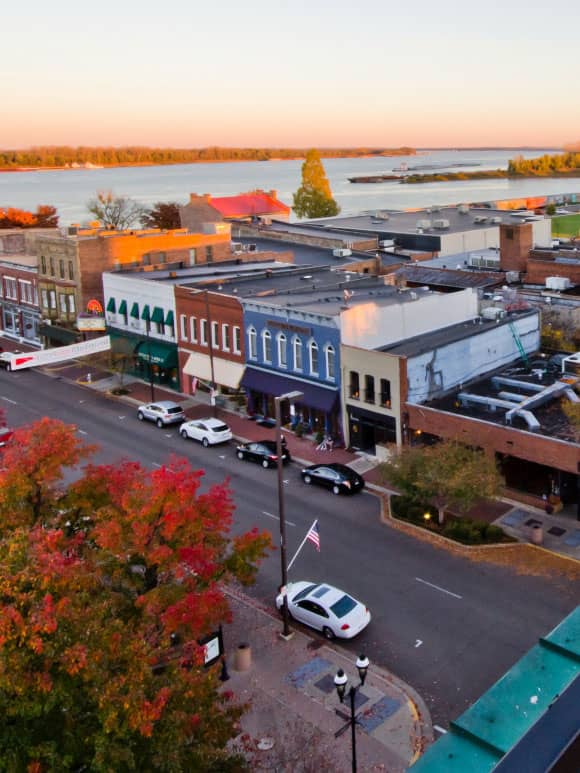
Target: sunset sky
[{"x": 299, "y": 73}]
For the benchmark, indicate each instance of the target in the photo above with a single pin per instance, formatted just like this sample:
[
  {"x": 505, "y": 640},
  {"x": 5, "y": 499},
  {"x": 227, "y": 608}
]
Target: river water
[{"x": 69, "y": 190}]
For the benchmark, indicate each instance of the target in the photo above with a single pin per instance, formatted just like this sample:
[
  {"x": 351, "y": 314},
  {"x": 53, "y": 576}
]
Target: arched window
[
  {"x": 297, "y": 346},
  {"x": 267, "y": 345},
  {"x": 282, "y": 351},
  {"x": 330, "y": 362},
  {"x": 252, "y": 344},
  {"x": 313, "y": 357}
]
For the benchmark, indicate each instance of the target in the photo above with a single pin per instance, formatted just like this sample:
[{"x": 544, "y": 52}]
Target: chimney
[
  {"x": 273, "y": 194},
  {"x": 195, "y": 197},
  {"x": 516, "y": 240}
]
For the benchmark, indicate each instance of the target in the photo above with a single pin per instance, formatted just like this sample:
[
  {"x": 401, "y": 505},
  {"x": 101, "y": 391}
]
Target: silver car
[
  {"x": 162, "y": 413},
  {"x": 209, "y": 432}
]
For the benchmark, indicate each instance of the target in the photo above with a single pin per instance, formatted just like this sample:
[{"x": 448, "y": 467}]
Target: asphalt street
[{"x": 448, "y": 626}]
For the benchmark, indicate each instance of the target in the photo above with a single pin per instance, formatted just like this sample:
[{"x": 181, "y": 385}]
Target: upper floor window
[
  {"x": 193, "y": 329},
  {"x": 385, "y": 393},
  {"x": 252, "y": 344},
  {"x": 237, "y": 340},
  {"x": 203, "y": 332},
  {"x": 11, "y": 288},
  {"x": 183, "y": 326},
  {"x": 282, "y": 351},
  {"x": 43, "y": 264},
  {"x": 71, "y": 270},
  {"x": 267, "y": 345},
  {"x": 214, "y": 335},
  {"x": 209, "y": 253},
  {"x": 313, "y": 357},
  {"x": 297, "y": 346},
  {"x": 61, "y": 268},
  {"x": 354, "y": 386},
  {"x": 71, "y": 303},
  {"x": 369, "y": 389},
  {"x": 51, "y": 266},
  {"x": 330, "y": 362},
  {"x": 226, "y": 344}
]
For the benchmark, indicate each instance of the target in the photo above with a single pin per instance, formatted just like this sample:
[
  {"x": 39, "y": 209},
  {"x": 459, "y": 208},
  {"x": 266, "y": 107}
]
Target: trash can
[
  {"x": 537, "y": 535},
  {"x": 243, "y": 657}
]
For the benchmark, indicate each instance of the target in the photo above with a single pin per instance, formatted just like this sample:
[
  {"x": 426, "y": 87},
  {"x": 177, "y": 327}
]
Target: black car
[
  {"x": 336, "y": 477},
  {"x": 262, "y": 451}
]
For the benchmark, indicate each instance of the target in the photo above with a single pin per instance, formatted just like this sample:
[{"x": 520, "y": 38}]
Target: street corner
[{"x": 384, "y": 713}]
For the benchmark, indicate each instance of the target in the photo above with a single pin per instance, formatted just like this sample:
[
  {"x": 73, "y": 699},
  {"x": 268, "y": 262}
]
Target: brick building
[
  {"x": 255, "y": 206},
  {"x": 210, "y": 341},
  {"x": 71, "y": 265}
]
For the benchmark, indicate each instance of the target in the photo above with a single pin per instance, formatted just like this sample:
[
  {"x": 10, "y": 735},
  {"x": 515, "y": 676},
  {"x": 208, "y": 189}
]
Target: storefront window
[{"x": 354, "y": 389}]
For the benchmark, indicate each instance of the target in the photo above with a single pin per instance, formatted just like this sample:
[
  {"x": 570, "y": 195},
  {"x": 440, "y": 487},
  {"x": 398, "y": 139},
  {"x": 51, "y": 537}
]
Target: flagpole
[{"x": 301, "y": 545}]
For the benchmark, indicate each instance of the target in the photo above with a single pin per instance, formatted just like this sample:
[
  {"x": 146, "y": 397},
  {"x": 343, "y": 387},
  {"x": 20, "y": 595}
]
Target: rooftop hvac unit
[
  {"x": 463, "y": 209},
  {"x": 557, "y": 282},
  {"x": 423, "y": 224},
  {"x": 493, "y": 312},
  {"x": 251, "y": 248},
  {"x": 479, "y": 219},
  {"x": 441, "y": 224},
  {"x": 496, "y": 220}
]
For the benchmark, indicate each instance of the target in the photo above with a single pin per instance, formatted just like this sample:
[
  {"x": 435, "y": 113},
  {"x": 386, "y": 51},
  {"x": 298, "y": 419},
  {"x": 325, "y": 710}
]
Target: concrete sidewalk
[{"x": 293, "y": 702}]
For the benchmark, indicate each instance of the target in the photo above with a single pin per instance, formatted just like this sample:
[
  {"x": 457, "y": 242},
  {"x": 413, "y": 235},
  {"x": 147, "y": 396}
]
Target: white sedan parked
[
  {"x": 325, "y": 608},
  {"x": 209, "y": 432}
]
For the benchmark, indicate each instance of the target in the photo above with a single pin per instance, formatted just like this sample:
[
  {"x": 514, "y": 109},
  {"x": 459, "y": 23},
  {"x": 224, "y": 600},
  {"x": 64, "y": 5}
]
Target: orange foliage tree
[
  {"x": 106, "y": 586},
  {"x": 44, "y": 217}
]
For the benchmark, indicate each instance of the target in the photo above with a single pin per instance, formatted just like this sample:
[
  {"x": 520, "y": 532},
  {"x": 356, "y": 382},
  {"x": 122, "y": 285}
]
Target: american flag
[{"x": 314, "y": 536}]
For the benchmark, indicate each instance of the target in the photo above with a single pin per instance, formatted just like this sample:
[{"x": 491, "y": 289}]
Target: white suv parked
[
  {"x": 209, "y": 432},
  {"x": 162, "y": 413}
]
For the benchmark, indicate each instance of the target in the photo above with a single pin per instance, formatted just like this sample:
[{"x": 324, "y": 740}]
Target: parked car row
[{"x": 336, "y": 477}]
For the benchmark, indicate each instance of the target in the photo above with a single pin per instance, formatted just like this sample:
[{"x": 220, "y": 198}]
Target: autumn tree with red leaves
[{"x": 98, "y": 580}]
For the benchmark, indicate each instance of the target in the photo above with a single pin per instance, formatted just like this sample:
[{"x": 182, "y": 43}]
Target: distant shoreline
[{"x": 324, "y": 154}]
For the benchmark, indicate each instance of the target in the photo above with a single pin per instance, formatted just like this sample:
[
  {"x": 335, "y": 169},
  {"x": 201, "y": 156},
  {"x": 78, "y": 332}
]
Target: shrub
[{"x": 319, "y": 437}]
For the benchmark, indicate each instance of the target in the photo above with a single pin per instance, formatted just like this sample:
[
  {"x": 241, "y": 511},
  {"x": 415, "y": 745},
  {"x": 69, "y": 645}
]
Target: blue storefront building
[{"x": 290, "y": 349}]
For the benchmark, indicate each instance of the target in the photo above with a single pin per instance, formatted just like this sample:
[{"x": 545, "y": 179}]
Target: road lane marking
[
  {"x": 168, "y": 434},
  {"x": 156, "y": 464},
  {"x": 82, "y": 432},
  {"x": 275, "y": 517},
  {"x": 440, "y": 729},
  {"x": 81, "y": 401},
  {"x": 437, "y": 587},
  {"x": 222, "y": 457},
  {"x": 121, "y": 417},
  {"x": 8, "y": 400},
  {"x": 418, "y": 643}
]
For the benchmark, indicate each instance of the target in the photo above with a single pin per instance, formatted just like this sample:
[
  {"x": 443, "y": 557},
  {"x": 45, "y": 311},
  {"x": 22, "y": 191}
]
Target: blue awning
[{"x": 318, "y": 397}]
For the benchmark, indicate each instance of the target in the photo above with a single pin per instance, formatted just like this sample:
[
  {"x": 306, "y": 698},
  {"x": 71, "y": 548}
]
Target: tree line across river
[{"x": 63, "y": 156}]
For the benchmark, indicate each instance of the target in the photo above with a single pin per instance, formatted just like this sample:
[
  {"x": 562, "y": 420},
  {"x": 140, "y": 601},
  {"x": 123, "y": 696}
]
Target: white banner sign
[{"x": 18, "y": 361}]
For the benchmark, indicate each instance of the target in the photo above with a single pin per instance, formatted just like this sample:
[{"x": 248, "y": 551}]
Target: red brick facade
[
  {"x": 515, "y": 242},
  {"x": 495, "y": 438}
]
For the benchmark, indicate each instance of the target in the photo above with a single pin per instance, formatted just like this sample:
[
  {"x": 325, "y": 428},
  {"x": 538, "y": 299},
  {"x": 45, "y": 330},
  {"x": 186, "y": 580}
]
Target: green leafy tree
[
  {"x": 164, "y": 215},
  {"x": 115, "y": 212},
  {"x": 314, "y": 197},
  {"x": 446, "y": 475},
  {"x": 106, "y": 586}
]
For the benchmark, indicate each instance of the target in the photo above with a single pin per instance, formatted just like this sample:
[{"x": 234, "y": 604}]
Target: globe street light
[
  {"x": 290, "y": 397},
  {"x": 340, "y": 682}
]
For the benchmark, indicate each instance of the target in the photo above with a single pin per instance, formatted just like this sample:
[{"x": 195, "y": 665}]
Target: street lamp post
[
  {"x": 340, "y": 682},
  {"x": 148, "y": 334},
  {"x": 290, "y": 397},
  {"x": 212, "y": 394}
]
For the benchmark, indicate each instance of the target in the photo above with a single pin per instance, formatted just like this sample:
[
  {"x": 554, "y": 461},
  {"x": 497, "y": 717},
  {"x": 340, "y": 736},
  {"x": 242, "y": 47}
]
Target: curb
[{"x": 418, "y": 708}]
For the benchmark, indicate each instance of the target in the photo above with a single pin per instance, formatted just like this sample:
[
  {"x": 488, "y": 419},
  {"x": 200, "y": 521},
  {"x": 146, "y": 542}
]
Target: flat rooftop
[
  {"x": 552, "y": 419},
  {"x": 447, "y": 277},
  {"x": 13, "y": 260},
  {"x": 426, "y": 342},
  {"x": 205, "y": 272},
  {"x": 394, "y": 221},
  {"x": 304, "y": 254}
]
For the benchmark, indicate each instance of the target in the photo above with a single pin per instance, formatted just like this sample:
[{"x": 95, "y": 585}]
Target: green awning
[
  {"x": 60, "y": 334},
  {"x": 135, "y": 311},
  {"x": 123, "y": 307},
  {"x": 146, "y": 314},
  {"x": 169, "y": 319},
  {"x": 111, "y": 306},
  {"x": 158, "y": 353},
  {"x": 157, "y": 315}
]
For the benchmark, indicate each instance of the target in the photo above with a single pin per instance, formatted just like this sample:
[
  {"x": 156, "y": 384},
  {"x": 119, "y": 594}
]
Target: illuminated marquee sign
[{"x": 94, "y": 306}]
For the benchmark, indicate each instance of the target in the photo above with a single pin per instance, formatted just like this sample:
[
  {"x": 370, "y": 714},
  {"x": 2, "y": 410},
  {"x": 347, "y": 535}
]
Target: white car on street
[
  {"x": 325, "y": 608},
  {"x": 208, "y": 432},
  {"x": 162, "y": 413}
]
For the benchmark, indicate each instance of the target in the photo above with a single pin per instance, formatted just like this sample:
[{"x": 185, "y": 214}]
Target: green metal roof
[{"x": 494, "y": 724}]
